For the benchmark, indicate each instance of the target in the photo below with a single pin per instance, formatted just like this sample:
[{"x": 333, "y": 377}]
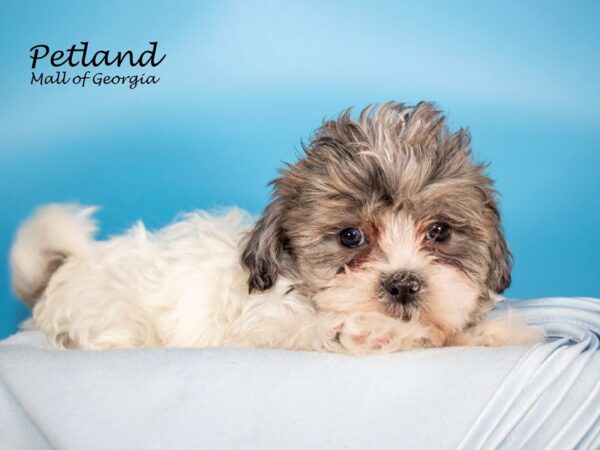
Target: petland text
[{"x": 79, "y": 55}]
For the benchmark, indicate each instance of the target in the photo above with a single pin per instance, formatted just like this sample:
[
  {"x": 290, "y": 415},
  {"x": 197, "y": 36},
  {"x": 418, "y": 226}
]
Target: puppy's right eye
[
  {"x": 352, "y": 237},
  {"x": 439, "y": 232}
]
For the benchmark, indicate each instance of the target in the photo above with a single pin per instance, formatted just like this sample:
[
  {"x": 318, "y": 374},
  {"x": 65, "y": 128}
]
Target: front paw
[
  {"x": 504, "y": 331},
  {"x": 529, "y": 335},
  {"x": 371, "y": 333}
]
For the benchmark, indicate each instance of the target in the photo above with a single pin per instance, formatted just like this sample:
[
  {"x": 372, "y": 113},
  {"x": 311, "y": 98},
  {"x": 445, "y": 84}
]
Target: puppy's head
[{"x": 385, "y": 213}]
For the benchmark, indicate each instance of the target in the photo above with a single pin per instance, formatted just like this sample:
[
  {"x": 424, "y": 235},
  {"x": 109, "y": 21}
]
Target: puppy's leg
[
  {"x": 359, "y": 334},
  {"x": 366, "y": 333},
  {"x": 497, "y": 332}
]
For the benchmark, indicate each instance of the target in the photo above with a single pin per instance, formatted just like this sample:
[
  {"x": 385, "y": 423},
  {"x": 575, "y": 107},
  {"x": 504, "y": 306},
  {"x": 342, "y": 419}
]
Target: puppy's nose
[{"x": 402, "y": 287}]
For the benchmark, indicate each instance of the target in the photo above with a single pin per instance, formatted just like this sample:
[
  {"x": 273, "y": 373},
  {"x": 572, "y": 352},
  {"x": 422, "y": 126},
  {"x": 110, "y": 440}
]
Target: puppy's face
[{"x": 385, "y": 213}]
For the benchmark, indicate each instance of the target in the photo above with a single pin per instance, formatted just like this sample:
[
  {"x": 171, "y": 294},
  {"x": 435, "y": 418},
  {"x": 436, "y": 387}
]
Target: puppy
[{"x": 384, "y": 236}]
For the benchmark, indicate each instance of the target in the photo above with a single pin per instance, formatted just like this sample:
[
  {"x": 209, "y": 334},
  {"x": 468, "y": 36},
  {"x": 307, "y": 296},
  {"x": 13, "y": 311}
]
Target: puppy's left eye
[
  {"x": 352, "y": 237},
  {"x": 439, "y": 232}
]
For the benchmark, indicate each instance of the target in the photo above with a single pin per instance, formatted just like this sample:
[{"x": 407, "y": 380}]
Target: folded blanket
[{"x": 544, "y": 396}]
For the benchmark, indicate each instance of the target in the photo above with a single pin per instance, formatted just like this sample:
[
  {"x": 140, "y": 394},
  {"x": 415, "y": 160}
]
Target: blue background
[{"x": 243, "y": 82}]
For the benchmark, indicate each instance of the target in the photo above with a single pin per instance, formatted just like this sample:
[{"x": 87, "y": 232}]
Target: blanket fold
[{"x": 551, "y": 399}]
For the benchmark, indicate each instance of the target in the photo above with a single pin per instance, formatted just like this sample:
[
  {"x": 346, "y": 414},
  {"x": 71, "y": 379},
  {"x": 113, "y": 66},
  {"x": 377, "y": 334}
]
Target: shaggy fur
[{"x": 429, "y": 255}]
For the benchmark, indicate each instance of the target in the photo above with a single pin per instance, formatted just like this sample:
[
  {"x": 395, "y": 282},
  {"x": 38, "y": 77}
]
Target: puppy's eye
[
  {"x": 439, "y": 232},
  {"x": 352, "y": 237}
]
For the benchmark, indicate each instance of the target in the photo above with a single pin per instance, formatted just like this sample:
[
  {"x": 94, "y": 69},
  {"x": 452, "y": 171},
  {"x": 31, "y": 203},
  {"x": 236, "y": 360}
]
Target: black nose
[{"x": 402, "y": 287}]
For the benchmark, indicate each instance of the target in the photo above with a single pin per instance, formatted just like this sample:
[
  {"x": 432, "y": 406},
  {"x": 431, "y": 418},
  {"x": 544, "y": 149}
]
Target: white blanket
[{"x": 545, "y": 396}]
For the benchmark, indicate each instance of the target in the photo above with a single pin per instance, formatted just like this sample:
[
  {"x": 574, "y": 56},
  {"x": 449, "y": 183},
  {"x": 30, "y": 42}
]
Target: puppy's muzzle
[{"x": 402, "y": 287}]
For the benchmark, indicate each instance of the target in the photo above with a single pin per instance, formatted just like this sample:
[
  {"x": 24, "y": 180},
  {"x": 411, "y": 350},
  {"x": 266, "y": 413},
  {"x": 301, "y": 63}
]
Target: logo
[{"x": 104, "y": 62}]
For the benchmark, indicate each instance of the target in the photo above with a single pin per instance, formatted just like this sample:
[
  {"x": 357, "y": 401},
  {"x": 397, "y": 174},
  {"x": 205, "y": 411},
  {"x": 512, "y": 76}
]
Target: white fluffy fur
[
  {"x": 184, "y": 286},
  {"x": 54, "y": 232}
]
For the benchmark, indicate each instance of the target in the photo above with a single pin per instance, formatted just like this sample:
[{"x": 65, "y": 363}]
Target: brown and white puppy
[
  {"x": 384, "y": 236},
  {"x": 386, "y": 213}
]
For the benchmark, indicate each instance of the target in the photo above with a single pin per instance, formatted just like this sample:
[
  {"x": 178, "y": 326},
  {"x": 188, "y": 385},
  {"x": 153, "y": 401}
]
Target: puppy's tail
[{"x": 44, "y": 242}]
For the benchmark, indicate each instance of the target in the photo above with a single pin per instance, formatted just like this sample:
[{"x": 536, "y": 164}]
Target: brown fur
[{"x": 392, "y": 161}]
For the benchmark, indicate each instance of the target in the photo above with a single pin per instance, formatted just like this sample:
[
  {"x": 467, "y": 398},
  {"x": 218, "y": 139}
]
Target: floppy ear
[
  {"x": 263, "y": 251},
  {"x": 499, "y": 277}
]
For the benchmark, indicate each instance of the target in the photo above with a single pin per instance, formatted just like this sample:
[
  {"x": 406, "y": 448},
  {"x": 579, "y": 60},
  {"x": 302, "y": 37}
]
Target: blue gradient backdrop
[{"x": 243, "y": 82}]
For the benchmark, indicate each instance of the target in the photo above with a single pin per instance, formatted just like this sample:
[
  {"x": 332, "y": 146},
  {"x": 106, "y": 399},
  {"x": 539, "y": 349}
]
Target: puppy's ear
[
  {"x": 499, "y": 277},
  {"x": 263, "y": 251}
]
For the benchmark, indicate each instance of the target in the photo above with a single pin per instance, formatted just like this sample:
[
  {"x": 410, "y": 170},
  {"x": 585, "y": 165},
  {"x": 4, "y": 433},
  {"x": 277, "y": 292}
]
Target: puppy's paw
[
  {"x": 502, "y": 331},
  {"x": 370, "y": 333},
  {"x": 528, "y": 335}
]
